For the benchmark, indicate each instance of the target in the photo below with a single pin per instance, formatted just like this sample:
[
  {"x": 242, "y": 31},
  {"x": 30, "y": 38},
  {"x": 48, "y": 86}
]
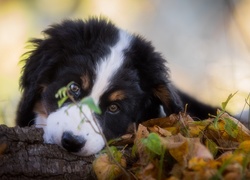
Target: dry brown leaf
[
  {"x": 206, "y": 174},
  {"x": 198, "y": 164},
  {"x": 172, "y": 178},
  {"x": 243, "y": 133},
  {"x": 104, "y": 168},
  {"x": 196, "y": 149},
  {"x": 162, "y": 122},
  {"x": 177, "y": 146},
  {"x": 244, "y": 147},
  {"x": 177, "y": 170},
  {"x": 173, "y": 130},
  {"x": 141, "y": 133},
  {"x": 181, "y": 137},
  {"x": 233, "y": 171},
  {"x": 150, "y": 172},
  {"x": 232, "y": 176},
  {"x": 196, "y": 128},
  {"x": 224, "y": 156},
  {"x": 182, "y": 149},
  {"x": 199, "y": 168},
  {"x": 160, "y": 131}
]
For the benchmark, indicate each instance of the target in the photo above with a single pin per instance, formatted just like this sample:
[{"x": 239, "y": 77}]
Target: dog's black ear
[
  {"x": 25, "y": 115},
  {"x": 154, "y": 76},
  {"x": 31, "y": 88},
  {"x": 168, "y": 97}
]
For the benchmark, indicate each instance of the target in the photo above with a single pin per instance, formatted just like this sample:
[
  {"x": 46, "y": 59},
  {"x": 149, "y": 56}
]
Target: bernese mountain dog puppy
[{"x": 121, "y": 72}]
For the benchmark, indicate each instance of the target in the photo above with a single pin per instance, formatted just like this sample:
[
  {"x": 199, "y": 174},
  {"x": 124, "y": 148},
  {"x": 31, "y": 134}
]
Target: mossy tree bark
[{"x": 23, "y": 155}]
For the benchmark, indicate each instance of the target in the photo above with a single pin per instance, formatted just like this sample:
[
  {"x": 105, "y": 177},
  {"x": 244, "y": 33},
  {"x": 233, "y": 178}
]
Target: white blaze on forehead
[{"x": 107, "y": 67}]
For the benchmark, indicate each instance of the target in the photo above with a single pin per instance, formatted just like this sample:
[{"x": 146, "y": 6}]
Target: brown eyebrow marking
[
  {"x": 85, "y": 81},
  {"x": 117, "y": 95}
]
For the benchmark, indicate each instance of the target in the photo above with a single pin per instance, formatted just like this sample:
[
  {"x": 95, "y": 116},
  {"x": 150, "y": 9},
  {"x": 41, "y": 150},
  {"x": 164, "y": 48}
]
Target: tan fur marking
[
  {"x": 163, "y": 94},
  {"x": 40, "y": 110},
  {"x": 43, "y": 87},
  {"x": 117, "y": 95},
  {"x": 85, "y": 82}
]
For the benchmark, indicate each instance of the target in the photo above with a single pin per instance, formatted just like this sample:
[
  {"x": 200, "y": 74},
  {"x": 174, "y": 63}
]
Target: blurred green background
[{"x": 207, "y": 43}]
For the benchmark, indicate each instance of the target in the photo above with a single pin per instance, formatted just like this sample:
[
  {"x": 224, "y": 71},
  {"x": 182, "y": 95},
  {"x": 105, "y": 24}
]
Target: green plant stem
[
  {"x": 109, "y": 150},
  {"x": 161, "y": 164},
  {"x": 99, "y": 131}
]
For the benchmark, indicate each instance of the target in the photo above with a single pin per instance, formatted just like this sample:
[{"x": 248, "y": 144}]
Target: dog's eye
[
  {"x": 74, "y": 89},
  {"x": 113, "y": 108}
]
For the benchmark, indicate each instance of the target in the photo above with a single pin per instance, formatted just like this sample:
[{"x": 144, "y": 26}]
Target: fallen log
[{"x": 23, "y": 155}]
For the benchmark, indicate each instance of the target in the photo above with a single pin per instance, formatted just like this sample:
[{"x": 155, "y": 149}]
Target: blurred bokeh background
[{"x": 206, "y": 43}]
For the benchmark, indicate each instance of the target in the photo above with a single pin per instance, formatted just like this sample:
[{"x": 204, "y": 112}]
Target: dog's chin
[{"x": 84, "y": 152}]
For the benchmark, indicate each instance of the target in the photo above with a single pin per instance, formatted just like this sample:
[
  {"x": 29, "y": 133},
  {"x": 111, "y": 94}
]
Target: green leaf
[
  {"x": 134, "y": 150},
  {"x": 90, "y": 103},
  {"x": 62, "y": 95},
  {"x": 117, "y": 154},
  {"x": 216, "y": 119},
  {"x": 62, "y": 92},
  {"x": 224, "y": 104},
  {"x": 212, "y": 147},
  {"x": 114, "y": 152},
  {"x": 231, "y": 127},
  {"x": 153, "y": 143},
  {"x": 61, "y": 101}
]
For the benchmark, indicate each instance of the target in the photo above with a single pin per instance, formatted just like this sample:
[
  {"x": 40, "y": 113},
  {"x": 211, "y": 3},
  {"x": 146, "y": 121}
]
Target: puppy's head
[{"x": 121, "y": 72}]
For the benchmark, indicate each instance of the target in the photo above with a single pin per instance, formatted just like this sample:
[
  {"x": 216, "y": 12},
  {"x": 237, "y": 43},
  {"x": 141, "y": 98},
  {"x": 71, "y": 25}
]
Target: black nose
[{"x": 71, "y": 142}]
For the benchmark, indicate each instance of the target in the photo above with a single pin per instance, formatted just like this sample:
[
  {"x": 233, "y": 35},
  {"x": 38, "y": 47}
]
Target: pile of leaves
[{"x": 177, "y": 147}]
